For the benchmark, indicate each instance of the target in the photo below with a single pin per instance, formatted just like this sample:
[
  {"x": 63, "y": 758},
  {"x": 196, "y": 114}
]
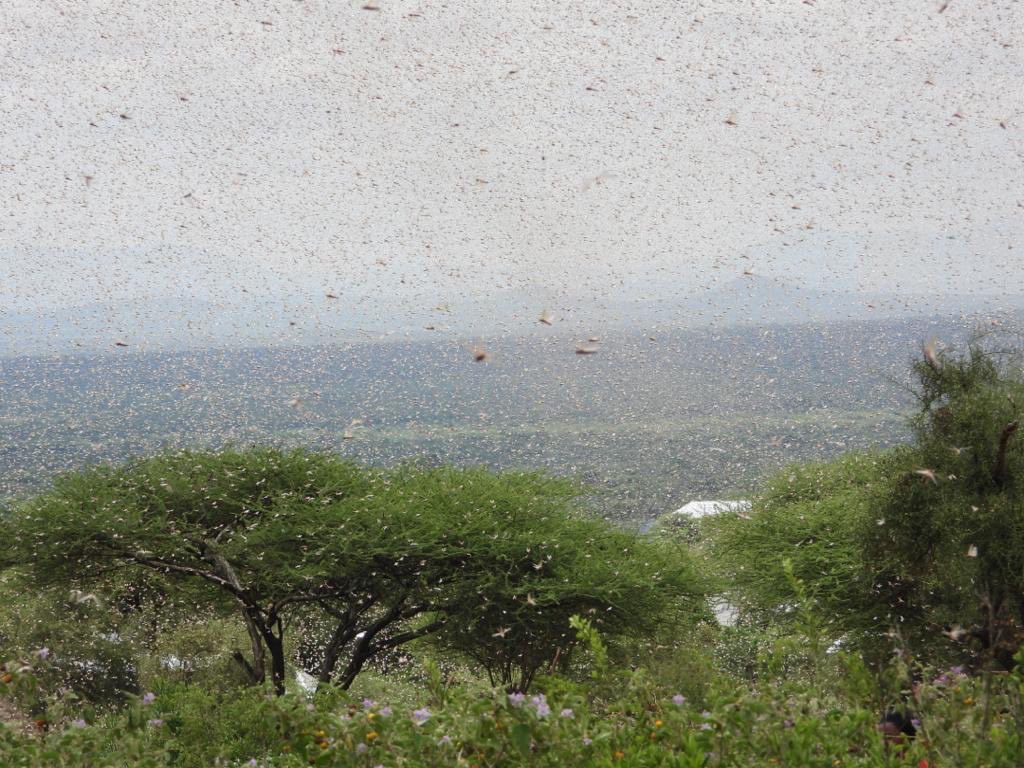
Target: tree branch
[{"x": 405, "y": 637}]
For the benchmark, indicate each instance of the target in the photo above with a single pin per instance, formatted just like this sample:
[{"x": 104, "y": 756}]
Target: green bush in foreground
[
  {"x": 785, "y": 723},
  {"x": 924, "y": 542}
]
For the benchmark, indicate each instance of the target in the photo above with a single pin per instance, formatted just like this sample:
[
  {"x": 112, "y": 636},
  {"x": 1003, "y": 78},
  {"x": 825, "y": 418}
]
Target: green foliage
[
  {"x": 535, "y": 564},
  {"x": 911, "y": 541},
  {"x": 779, "y": 723},
  {"x": 85, "y": 640},
  {"x": 586, "y": 633},
  {"x": 357, "y": 561},
  {"x": 811, "y": 516},
  {"x": 952, "y": 546}
]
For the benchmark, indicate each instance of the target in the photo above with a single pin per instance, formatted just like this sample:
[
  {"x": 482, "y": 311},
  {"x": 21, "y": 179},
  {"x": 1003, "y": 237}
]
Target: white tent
[{"x": 698, "y": 509}]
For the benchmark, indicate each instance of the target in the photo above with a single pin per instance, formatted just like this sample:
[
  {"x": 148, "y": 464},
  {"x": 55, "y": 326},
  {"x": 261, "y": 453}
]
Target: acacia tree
[
  {"x": 246, "y": 524},
  {"x": 379, "y": 558},
  {"x": 530, "y": 561}
]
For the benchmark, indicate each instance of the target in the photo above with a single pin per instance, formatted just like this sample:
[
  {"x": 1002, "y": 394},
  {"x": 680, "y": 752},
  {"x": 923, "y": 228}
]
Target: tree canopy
[
  {"x": 925, "y": 540},
  {"x": 359, "y": 560}
]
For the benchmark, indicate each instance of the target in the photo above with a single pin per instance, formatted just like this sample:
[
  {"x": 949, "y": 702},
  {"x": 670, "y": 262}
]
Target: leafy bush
[{"x": 960, "y": 721}]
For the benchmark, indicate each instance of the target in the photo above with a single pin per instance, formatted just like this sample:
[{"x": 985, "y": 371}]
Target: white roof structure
[{"x": 697, "y": 509}]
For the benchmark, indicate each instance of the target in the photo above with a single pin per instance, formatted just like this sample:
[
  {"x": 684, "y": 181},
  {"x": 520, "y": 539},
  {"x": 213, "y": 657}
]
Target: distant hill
[{"x": 289, "y": 320}]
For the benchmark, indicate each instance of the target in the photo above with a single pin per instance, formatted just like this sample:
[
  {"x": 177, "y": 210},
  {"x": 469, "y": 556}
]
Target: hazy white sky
[{"x": 241, "y": 160}]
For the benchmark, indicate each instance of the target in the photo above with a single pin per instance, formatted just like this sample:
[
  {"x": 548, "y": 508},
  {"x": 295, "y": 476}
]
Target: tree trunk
[
  {"x": 363, "y": 650},
  {"x": 342, "y": 634},
  {"x": 258, "y": 668},
  {"x": 250, "y": 613},
  {"x": 275, "y": 645}
]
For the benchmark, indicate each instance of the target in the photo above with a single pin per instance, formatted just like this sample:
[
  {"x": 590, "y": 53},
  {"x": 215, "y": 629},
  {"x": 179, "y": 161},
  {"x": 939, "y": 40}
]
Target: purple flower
[
  {"x": 516, "y": 699},
  {"x": 43, "y": 653},
  {"x": 587, "y": 741},
  {"x": 706, "y": 726},
  {"x": 444, "y": 740},
  {"x": 368, "y": 703},
  {"x": 706, "y": 715},
  {"x": 567, "y": 713},
  {"x": 540, "y": 702},
  {"x": 420, "y": 716},
  {"x": 679, "y": 699},
  {"x": 156, "y": 722},
  {"x": 915, "y": 722},
  {"x": 787, "y": 723},
  {"x": 384, "y": 712},
  {"x": 79, "y": 723},
  {"x": 957, "y": 670},
  {"x": 149, "y": 698},
  {"x": 361, "y": 748},
  {"x": 252, "y": 763}
]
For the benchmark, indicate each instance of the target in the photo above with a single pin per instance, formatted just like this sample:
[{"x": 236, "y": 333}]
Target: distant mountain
[{"x": 167, "y": 325}]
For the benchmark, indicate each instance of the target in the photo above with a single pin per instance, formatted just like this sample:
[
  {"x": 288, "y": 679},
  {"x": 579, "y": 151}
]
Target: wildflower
[
  {"x": 369, "y": 703},
  {"x": 252, "y": 763},
  {"x": 444, "y": 740},
  {"x": 149, "y": 698},
  {"x": 567, "y": 713},
  {"x": 706, "y": 715},
  {"x": 618, "y": 754},
  {"x": 385, "y": 712},
  {"x": 43, "y": 653},
  {"x": 540, "y": 702},
  {"x": 516, "y": 699},
  {"x": 587, "y": 741},
  {"x": 420, "y": 716},
  {"x": 706, "y": 726},
  {"x": 679, "y": 699},
  {"x": 372, "y": 735},
  {"x": 156, "y": 722},
  {"x": 787, "y": 723},
  {"x": 658, "y": 723},
  {"x": 361, "y": 748},
  {"x": 79, "y": 723}
]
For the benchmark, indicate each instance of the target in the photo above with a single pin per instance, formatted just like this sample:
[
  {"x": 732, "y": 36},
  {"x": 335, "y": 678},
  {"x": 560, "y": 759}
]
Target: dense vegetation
[{"x": 155, "y": 613}]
